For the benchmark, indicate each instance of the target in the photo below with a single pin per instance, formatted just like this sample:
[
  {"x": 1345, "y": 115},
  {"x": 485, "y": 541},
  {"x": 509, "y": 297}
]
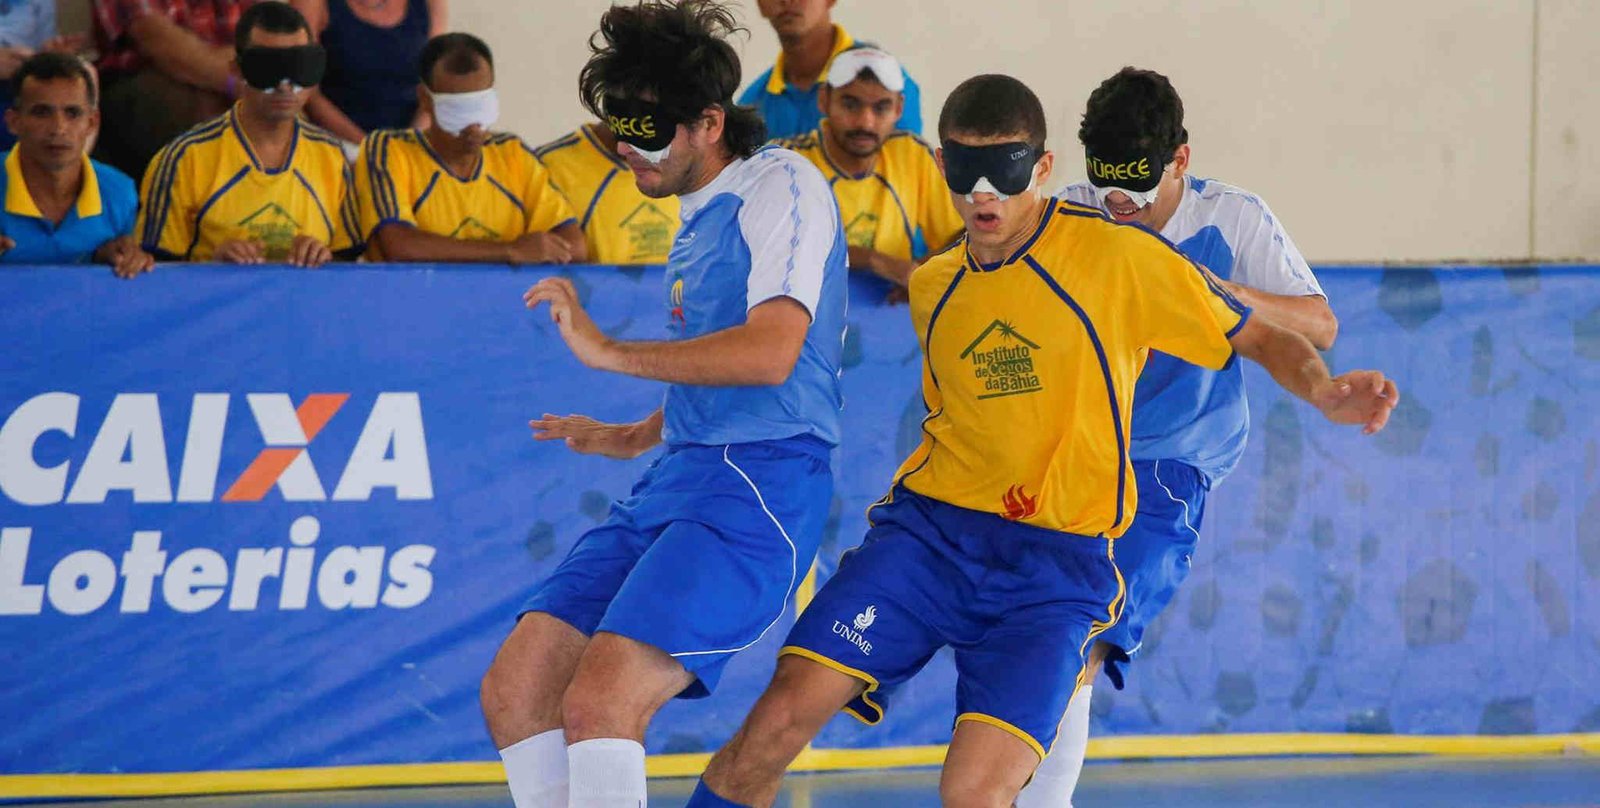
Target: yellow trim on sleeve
[
  {"x": 1010, "y": 728},
  {"x": 872, "y": 681},
  {"x": 1128, "y": 747}
]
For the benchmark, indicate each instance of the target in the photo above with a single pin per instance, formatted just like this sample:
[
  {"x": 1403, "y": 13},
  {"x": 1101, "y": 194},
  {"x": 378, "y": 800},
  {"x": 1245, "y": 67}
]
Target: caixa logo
[
  {"x": 128, "y": 454},
  {"x": 129, "y": 451}
]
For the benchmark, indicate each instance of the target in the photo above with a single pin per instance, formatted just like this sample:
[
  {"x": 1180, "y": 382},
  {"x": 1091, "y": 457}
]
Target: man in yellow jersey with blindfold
[
  {"x": 622, "y": 225},
  {"x": 895, "y": 206},
  {"x": 998, "y": 535},
  {"x": 256, "y": 184},
  {"x": 457, "y": 192}
]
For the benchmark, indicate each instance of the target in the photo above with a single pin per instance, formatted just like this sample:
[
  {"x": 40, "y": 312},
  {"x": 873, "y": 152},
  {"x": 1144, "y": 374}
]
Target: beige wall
[{"x": 1377, "y": 129}]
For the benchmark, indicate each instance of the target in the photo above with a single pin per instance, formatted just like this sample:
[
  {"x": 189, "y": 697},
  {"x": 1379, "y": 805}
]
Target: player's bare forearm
[
  {"x": 760, "y": 352},
  {"x": 1310, "y": 316},
  {"x": 1287, "y": 355},
  {"x": 894, "y": 270},
  {"x": 572, "y": 234},
  {"x": 181, "y": 54},
  {"x": 402, "y": 242}
]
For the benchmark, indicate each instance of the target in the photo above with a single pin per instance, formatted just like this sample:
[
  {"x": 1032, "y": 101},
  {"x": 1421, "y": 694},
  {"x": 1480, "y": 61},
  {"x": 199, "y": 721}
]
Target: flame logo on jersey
[
  {"x": 1018, "y": 504},
  {"x": 676, "y": 298}
]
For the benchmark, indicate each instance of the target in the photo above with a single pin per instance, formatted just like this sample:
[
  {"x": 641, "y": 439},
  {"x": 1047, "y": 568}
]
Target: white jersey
[
  {"x": 1187, "y": 413},
  {"x": 1231, "y": 232}
]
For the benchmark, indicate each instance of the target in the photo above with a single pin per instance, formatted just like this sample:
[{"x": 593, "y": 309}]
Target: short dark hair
[
  {"x": 459, "y": 52},
  {"x": 1134, "y": 108},
  {"x": 993, "y": 105},
  {"x": 49, "y": 65},
  {"x": 677, "y": 53},
  {"x": 271, "y": 16}
]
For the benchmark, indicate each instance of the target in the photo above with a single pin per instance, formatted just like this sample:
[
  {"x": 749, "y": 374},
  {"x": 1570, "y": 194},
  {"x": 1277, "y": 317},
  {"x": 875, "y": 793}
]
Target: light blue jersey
[
  {"x": 1180, "y": 411},
  {"x": 766, "y": 227}
]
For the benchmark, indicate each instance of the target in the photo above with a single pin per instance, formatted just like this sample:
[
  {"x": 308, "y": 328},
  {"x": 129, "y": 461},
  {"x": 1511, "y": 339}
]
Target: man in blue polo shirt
[
  {"x": 786, "y": 93},
  {"x": 60, "y": 206}
]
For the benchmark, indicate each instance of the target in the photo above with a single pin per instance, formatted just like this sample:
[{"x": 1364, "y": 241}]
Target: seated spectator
[
  {"x": 256, "y": 184},
  {"x": 372, "y": 57},
  {"x": 893, "y": 198},
  {"x": 621, "y": 225},
  {"x": 61, "y": 207},
  {"x": 786, "y": 93},
  {"x": 455, "y": 192},
  {"x": 164, "y": 67}
]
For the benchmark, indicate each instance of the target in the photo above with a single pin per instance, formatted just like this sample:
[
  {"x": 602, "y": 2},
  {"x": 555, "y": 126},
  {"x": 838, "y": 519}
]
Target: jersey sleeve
[
  {"x": 911, "y": 113},
  {"x": 937, "y": 216},
  {"x": 347, "y": 227},
  {"x": 1264, "y": 256},
  {"x": 1181, "y": 309},
  {"x": 544, "y": 206},
  {"x": 380, "y": 177},
  {"x": 166, "y": 212},
  {"x": 790, "y": 222}
]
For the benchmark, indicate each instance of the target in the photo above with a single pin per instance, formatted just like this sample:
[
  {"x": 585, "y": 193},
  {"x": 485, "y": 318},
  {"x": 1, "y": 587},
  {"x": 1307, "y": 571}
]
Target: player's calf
[
  {"x": 521, "y": 700},
  {"x": 747, "y": 771}
]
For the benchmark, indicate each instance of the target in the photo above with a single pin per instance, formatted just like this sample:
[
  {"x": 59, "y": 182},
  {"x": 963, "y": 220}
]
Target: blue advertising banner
[{"x": 276, "y": 518}]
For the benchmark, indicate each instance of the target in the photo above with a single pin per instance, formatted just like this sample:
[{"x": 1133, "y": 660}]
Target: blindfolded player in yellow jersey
[
  {"x": 997, "y": 537},
  {"x": 621, "y": 224},
  {"x": 891, "y": 196},
  {"x": 458, "y": 191},
  {"x": 256, "y": 184}
]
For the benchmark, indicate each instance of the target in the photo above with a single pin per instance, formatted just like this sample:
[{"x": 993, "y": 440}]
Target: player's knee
[
  {"x": 495, "y": 694},
  {"x": 589, "y": 710}
]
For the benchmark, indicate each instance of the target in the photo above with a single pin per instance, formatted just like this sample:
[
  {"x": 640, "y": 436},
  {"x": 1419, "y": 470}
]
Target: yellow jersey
[
  {"x": 901, "y": 207},
  {"x": 400, "y": 178},
  {"x": 208, "y": 187},
  {"x": 1029, "y": 366},
  {"x": 622, "y": 225}
]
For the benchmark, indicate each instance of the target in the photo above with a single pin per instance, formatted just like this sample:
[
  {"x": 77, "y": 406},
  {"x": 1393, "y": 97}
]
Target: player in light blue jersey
[
  {"x": 1189, "y": 424},
  {"x": 702, "y": 559}
]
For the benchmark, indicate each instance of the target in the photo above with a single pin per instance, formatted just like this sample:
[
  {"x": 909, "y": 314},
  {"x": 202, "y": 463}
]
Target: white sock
[
  {"x": 536, "y": 770},
  {"x": 606, "y": 773},
  {"x": 1056, "y": 777}
]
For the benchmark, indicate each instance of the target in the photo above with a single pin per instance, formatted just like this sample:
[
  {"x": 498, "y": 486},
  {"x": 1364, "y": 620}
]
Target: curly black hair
[
  {"x": 994, "y": 105},
  {"x": 1137, "y": 108},
  {"x": 677, "y": 54}
]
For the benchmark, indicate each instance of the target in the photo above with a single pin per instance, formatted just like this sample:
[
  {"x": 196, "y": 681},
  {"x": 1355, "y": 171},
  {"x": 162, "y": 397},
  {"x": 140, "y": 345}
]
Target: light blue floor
[{"x": 1571, "y": 782}]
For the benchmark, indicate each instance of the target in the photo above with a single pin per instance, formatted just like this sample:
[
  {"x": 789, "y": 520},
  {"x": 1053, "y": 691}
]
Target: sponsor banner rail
[{"x": 280, "y": 519}]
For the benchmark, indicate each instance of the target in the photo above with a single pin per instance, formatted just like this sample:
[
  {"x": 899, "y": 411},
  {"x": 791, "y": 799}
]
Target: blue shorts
[
  {"x": 1154, "y": 554},
  {"x": 1019, "y": 604},
  {"x": 702, "y": 559}
]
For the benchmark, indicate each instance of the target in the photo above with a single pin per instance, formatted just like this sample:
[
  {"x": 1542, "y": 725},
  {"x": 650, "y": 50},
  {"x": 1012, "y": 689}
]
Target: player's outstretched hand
[
  {"x": 580, "y": 333},
  {"x": 1358, "y": 397},
  {"x": 585, "y": 435}
]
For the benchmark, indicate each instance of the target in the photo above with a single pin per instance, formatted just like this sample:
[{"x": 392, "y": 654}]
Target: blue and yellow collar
[
  {"x": 841, "y": 42},
  {"x": 20, "y": 203}
]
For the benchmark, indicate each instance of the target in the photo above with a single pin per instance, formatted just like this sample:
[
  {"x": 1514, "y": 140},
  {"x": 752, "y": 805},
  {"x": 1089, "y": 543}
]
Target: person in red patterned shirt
[{"x": 164, "y": 68}]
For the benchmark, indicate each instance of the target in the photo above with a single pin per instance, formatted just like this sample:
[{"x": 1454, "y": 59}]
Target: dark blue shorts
[
  {"x": 703, "y": 558},
  {"x": 1019, "y": 604},
  {"x": 1154, "y": 554}
]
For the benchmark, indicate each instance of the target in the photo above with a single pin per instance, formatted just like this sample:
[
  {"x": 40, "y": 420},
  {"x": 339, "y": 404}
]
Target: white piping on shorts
[
  {"x": 1156, "y": 472},
  {"x": 794, "y": 564}
]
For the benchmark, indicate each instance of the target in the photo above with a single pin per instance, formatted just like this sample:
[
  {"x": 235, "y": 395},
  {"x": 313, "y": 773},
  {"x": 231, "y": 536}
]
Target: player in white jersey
[
  {"x": 1189, "y": 424},
  {"x": 702, "y": 559}
]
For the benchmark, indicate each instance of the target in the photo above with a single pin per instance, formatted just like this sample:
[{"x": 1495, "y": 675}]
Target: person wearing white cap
[
  {"x": 891, "y": 196},
  {"x": 786, "y": 93}
]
